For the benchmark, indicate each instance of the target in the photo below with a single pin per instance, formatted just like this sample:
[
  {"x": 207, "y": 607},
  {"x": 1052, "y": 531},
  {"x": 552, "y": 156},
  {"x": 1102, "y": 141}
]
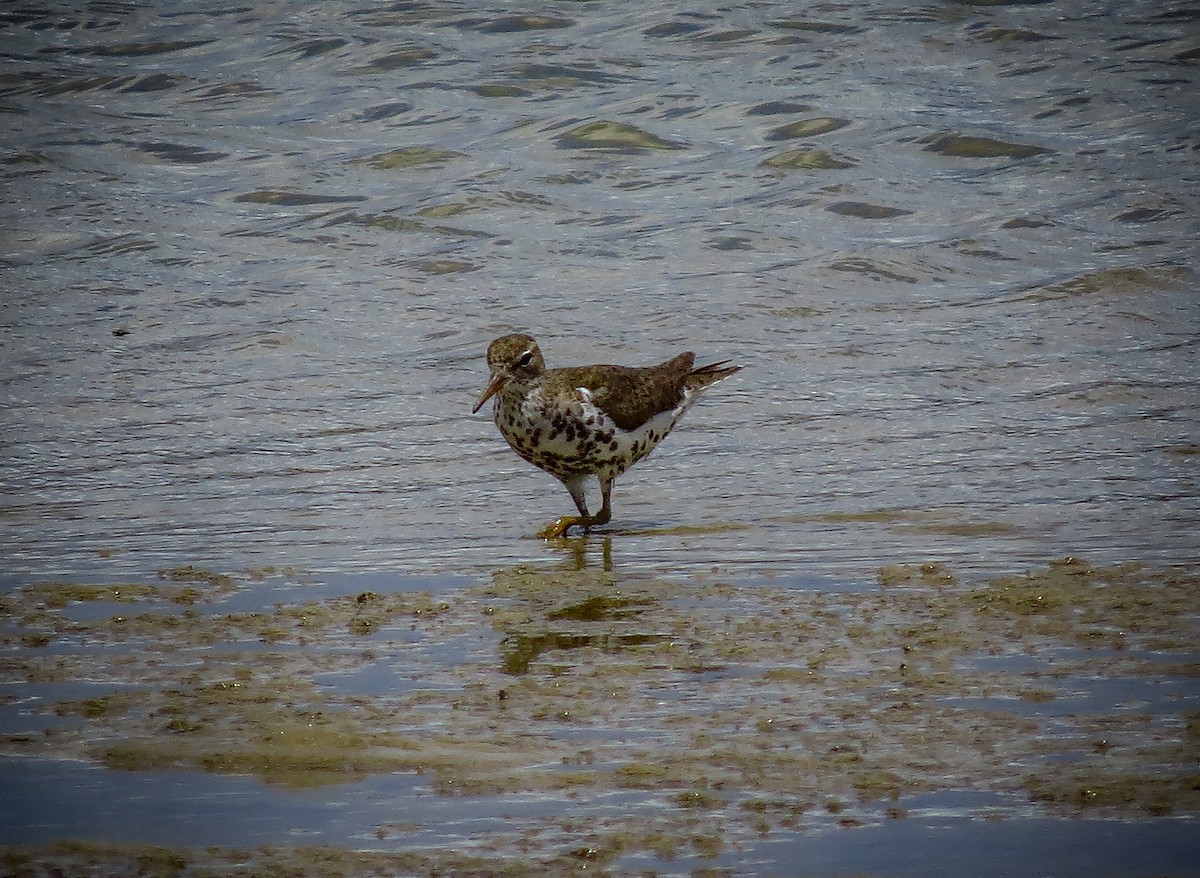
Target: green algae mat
[{"x": 606, "y": 723}]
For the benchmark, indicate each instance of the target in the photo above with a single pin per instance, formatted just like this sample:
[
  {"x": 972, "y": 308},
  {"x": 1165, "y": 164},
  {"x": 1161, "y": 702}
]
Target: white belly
[{"x": 578, "y": 439}]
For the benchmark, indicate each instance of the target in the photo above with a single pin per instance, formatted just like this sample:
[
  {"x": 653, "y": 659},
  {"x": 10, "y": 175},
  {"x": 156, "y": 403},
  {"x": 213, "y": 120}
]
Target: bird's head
[{"x": 511, "y": 358}]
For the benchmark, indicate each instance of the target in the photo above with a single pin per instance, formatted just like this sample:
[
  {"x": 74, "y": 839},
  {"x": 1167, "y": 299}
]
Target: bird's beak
[{"x": 498, "y": 381}]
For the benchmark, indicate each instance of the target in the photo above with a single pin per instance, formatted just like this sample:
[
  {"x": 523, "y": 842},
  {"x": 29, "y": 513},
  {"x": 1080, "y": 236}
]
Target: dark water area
[
  {"x": 940, "y": 838},
  {"x": 251, "y": 257}
]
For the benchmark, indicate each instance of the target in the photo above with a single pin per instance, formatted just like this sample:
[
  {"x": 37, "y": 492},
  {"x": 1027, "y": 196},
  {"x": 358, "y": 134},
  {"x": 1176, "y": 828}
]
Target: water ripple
[{"x": 253, "y": 256}]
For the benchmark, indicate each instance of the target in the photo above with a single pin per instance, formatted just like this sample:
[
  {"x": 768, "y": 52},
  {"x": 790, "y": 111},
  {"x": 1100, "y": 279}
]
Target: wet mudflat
[{"x": 584, "y": 722}]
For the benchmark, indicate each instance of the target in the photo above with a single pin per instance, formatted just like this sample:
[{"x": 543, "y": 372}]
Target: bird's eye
[{"x": 526, "y": 359}]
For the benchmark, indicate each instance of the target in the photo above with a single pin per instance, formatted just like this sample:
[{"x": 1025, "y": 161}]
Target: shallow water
[
  {"x": 230, "y": 338},
  {"x": 934, "y": 838},
  {"x": 251, "y": 258}
]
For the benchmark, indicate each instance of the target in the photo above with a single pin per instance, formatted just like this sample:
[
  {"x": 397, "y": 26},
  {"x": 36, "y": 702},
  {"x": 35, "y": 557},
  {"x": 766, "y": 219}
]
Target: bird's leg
[
  {"x": 559, "y": 526},
  {"x": 605, "y": 513}
]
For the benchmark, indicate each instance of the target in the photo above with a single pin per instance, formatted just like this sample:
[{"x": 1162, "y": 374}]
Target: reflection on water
[{"x": 251, "y": 257}]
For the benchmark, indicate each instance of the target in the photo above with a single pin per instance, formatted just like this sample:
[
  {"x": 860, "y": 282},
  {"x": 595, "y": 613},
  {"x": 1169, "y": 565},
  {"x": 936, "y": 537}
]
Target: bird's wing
[{"x": 632, "y": 396}]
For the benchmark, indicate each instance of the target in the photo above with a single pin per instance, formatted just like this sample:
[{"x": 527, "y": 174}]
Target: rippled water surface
[
  {"x": 252, "y": 255},
  {"x": 236, "y": 332}
]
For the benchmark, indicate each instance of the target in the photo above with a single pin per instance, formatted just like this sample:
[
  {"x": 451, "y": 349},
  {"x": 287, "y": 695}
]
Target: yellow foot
[{"x": 559, "y": 526}]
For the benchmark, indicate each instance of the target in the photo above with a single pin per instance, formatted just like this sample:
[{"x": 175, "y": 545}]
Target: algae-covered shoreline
[{"x": 725, "y": 719}]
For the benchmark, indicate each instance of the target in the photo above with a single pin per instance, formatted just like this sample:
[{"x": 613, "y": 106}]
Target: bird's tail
[{"x": 703, "y": 376}]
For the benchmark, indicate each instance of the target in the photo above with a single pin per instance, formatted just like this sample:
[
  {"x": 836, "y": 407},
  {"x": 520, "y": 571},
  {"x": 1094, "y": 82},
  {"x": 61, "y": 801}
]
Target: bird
[{"x": 583, "y": 421}]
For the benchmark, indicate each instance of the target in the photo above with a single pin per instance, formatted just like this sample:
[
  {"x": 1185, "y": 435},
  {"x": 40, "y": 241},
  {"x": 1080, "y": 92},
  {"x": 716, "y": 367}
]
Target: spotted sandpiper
[{"x": 588, "y": 420}]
